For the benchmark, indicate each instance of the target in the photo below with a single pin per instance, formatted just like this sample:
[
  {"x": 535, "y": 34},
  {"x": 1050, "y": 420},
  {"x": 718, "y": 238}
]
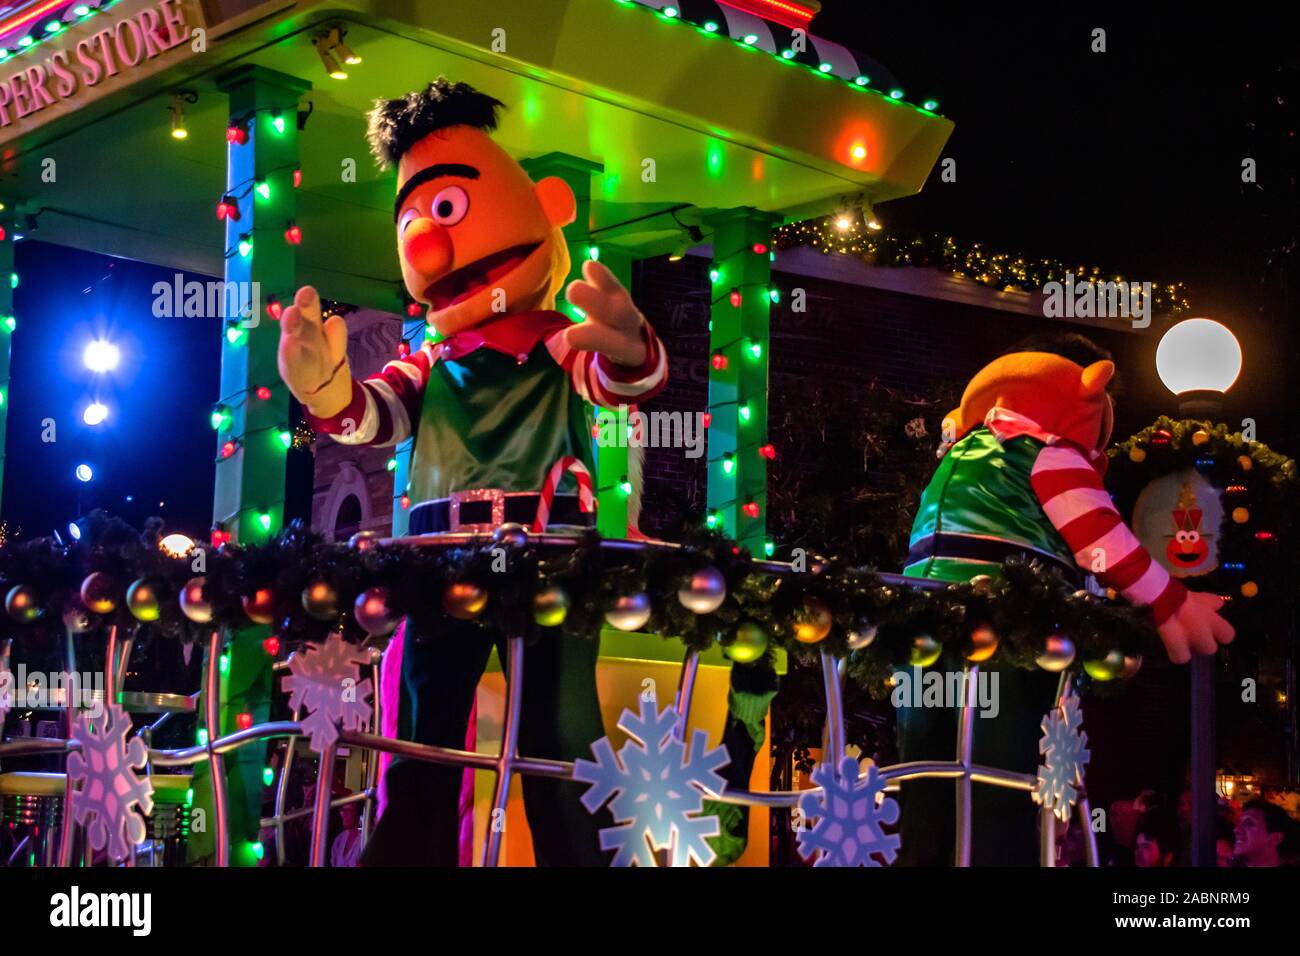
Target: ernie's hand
[
  {"x": 613, "y": 324},
  {"x": 313, "y": 356},
  {"x": 1195, "y": 627}
]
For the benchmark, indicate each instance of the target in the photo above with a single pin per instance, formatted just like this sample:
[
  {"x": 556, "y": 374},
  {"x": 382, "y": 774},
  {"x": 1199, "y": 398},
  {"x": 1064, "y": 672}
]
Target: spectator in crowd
[
  {"x": 1158, "y": 842},
  {"x": 1261, "y": 832},
  {"x": 346, "y": 849}
]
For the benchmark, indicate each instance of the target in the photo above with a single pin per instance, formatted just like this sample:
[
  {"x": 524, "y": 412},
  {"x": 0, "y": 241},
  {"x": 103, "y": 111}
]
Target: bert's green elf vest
[
  {"x": 982, "y": 491},
  {"x": 491, "y": 421}
]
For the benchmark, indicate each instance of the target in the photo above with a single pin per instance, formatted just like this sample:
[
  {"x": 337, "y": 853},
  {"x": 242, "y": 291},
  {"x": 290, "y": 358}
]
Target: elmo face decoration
[
  {"x": 1177, "y": 518},
  {"x": 1187, "y": 549}
]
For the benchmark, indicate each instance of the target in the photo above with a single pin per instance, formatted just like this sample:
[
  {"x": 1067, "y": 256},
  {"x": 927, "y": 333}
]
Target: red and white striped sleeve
[
  {"x": 1077, "y": 504},
  {"x": 607, "y": 383},
  {"x": 385, "y": 406}
]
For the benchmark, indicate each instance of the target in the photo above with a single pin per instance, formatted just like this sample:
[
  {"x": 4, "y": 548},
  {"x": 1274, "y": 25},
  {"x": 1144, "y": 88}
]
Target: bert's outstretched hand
[
  {"x": 613, "y": 324},
  {"x": 1195, "y": 627},
  {"x": 313, "y": 356}
]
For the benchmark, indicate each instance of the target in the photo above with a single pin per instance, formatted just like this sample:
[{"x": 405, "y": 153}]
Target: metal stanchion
[
  {"x": 320, "y": 820},
  {"x": 506, "y": 760},
  {"x": 216, "y": 763},
  {"x": 965, "y": 747}
]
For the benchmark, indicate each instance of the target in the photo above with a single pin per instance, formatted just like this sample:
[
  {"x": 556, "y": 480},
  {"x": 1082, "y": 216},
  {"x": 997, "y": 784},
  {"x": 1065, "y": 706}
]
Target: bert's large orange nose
[{"x": 426, "y": 247}]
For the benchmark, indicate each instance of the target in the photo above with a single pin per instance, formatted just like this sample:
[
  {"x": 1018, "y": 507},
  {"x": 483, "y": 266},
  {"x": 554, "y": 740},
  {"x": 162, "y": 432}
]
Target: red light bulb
[
  {"x": 719, "y": 361},
  {"x": 228, "y": 449},
  {"x": 297, "y": 178},
  {"x": 406, "y": 502},
  {"x": 264, "y": 393},
  {"x": 768, "y": 451},
  {"x": 274, "y": 309},
  {"x": 244, "y": 721},
  {"x": 760, "y": 248},
  {"x": 272, "y": 646},
  {"x": 414, "y": 310},
  {"x": 236, "y": 134},
  {"x": 751, "y": 509},
  {"x": 293, "y": 235},
  {"x": 735, "y": 298},
  {"x": 707, "y": 419}
]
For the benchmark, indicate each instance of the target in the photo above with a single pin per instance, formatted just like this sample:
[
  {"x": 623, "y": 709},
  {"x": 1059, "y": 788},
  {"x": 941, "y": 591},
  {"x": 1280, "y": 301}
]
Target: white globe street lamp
[{"x": 1199, "y": 360}]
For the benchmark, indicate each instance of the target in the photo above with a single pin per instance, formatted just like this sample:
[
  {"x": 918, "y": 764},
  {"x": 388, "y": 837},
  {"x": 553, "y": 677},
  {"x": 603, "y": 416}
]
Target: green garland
[
  {"x": 1257, "y": 570},
  {"x": 1024, "y": 606},
  {"x": 1003, "y": 271}
]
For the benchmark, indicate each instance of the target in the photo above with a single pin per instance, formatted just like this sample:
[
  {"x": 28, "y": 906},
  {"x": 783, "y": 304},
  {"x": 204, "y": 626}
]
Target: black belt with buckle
[
  {"x": 483, "y": 511},
  {"x": 992, "y": 550}
]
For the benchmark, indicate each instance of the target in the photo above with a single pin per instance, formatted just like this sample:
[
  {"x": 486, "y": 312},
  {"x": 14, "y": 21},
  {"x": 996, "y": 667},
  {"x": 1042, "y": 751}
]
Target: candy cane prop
[{"x": 586, "y": 496}]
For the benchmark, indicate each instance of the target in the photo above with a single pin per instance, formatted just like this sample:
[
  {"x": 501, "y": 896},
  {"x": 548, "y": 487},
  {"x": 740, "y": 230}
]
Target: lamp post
[{"x": 1199, "y": 360}]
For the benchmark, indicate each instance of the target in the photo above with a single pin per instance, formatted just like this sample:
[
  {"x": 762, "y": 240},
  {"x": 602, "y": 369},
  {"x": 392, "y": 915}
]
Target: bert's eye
[{"x": 450, "y": 205}]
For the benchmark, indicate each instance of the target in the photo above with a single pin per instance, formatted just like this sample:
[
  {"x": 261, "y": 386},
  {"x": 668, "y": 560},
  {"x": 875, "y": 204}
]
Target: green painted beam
[{"x": 739, "y": 334}]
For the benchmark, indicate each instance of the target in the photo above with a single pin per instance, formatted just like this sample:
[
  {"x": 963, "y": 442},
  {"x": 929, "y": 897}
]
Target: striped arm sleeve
[
  {"x": 1076, "y": 502},
  {"x": 607, "y": 383},
  {"x": 384, "y": 406}
]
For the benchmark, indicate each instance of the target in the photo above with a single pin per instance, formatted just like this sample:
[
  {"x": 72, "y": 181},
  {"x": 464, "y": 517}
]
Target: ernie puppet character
[
  {"x": 493, "y": 406},
  {"x": 1023, "y": 477}
]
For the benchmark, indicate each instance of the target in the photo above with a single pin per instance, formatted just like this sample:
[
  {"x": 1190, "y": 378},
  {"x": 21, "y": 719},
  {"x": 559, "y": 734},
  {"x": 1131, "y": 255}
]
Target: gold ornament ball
[
  {"x": 22, "y": 604},
  {"x": 143, "y": 602},
  {"x": 1137, "y": 455},
  {"x": 813, "y": 622},
  {"x": 321, "y": 601},
  {"x": 1241, "y": 515},
  {"x": 982, "y": 644},
  {"x": 629, "y": 612},
  {"x": 464, "y": 600},
  {"x": 1106, "y": 668},
  {"x": 1249, "y": 589},
  {"x": 863, "y": 635},
  {"x": 372, "y": 613},
  {"x": 195, "y": 603},
  {"x": 550, "y": 607},
  {"x": 1057, "y": 654},
  {"x": 260, "y": 606},
  {"x": 97, "y": 593},
  {"x": 1200, "y": 437},
  {"x": 982, "y": 583},
  {"x": 925, "y": 651},
  {"x": 749, "y": 645},
  {"x": 1132, "y": 664},
  {"x": 1245, "y": 463},
  {"x": 76, "y": 619},
  {"x": 705, "y": 592},
  {"x": 365, "y": 540}
]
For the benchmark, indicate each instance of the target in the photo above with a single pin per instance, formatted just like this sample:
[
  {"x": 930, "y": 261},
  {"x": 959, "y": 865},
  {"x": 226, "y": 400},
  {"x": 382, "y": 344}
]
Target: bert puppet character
[{"x": 493, "y": 406}]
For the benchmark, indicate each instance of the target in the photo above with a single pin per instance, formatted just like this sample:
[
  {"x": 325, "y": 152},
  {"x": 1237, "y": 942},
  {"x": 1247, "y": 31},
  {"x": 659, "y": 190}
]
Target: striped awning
[{"x": 785, "y": 42}]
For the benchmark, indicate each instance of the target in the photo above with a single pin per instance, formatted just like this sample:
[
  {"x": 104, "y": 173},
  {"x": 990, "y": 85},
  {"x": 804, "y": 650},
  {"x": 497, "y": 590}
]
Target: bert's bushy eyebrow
[{"x": 436, "y": 171}]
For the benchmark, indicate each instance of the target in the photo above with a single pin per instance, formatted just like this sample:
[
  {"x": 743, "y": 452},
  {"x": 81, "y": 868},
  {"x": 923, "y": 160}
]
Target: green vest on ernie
[
  {"x": 980, "y": 501},
  {"x": 491, "y": 421}
]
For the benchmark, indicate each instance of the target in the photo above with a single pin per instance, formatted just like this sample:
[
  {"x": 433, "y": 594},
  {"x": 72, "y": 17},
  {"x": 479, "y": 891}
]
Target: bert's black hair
[
  {"x": 1079, "y": 349},
  {"x": 397, "y": 125}
]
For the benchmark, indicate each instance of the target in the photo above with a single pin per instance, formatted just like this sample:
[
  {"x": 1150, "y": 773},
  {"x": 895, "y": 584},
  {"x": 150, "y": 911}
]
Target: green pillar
[
  {"x": 250, "y": 485},
  {"x": 611, "y": 461},
  {"x": 7, "y": 324},
  {"x": 739, "y": 320}
]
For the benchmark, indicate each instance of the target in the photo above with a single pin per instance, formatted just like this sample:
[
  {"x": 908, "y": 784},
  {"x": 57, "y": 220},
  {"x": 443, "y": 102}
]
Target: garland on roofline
[
  {"x": 1004, "y": 271},
  {"x": 707, "y": 591}
]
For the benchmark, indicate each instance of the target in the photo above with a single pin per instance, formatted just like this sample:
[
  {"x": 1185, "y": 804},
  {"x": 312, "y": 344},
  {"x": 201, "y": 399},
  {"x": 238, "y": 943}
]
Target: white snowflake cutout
[
  {"x": 107, "y": 792},
  {"x": 324, "y": 679},
  {"x": 1065, "y": 750},
  {"x": 657, "y": 792},
  {"x": 849, "y": 810}
]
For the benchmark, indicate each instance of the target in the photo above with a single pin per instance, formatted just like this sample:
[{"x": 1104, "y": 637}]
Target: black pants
[
  {"x": 1004, "y": 823},
  {"x": 559, "y": 719}
]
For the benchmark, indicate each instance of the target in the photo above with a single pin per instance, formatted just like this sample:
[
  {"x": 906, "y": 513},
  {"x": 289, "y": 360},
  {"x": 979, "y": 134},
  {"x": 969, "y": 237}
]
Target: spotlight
[
  {"x": 101, "y": 356},
  {"x": 325, "y": 46},
  {"x": 95, "y": 414},
  {"x": 84, "y": 473},
  {"x": 74, "y": 531},
  {"x": 179, "y": 130},
  {"x": 176, "y": 545}
]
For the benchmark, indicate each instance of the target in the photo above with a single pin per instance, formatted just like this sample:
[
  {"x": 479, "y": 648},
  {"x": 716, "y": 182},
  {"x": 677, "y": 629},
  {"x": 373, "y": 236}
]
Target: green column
[
  {"x": 250, "y": 485},
  {"x": 611, "y": 461},
  {"x": 7, "y": 322},
  {"x": 739, "y": 319}
]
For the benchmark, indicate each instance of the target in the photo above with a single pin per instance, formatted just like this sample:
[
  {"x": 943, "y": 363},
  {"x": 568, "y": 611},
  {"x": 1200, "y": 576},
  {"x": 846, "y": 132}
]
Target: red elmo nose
[{"x": 426, "y": 247}]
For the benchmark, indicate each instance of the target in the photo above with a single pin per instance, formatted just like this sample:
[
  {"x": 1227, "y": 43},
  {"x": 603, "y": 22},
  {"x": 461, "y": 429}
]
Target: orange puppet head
[
  {"x": 476, "y": 237},
  {"x": 1059, "y": 381}
]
